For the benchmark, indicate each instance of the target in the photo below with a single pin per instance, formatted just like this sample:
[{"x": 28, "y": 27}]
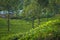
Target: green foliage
[
  {"x": 40, "y": 8},
  {"x": 10, "y": 4},
  {"x": 43, "y": 3},
  {"x": 16, "y": 26},
  {"x": 46, "y": 31},
  {"x": 31, "y": 10}
]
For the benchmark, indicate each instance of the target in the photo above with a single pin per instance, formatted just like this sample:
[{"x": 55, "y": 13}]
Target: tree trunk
[
  {"x": 38, "y": 21},
  {"x": 8, "y": 21},
  {"x": 33, "y": 24}
]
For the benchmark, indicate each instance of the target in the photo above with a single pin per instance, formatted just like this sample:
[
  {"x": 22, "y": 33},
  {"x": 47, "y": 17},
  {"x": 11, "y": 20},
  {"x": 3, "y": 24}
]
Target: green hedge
[{"x": 47, "y": 31}]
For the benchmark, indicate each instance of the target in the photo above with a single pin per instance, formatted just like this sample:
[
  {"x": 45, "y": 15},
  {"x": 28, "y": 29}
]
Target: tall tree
[
  {"x": 34, "y": 8},
  {"x": 9, "y": 5},
  {"x": 30, "y": 10}
]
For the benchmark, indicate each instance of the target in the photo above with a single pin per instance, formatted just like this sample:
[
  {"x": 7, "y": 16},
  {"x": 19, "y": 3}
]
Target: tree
[
  {"x": 9, "y": 5},
  {"x": 30, "y": 10},
  {"x": 34, "y": 9}
]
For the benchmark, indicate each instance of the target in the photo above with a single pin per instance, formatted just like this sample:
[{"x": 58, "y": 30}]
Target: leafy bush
[{"x": 46, "y": 31}]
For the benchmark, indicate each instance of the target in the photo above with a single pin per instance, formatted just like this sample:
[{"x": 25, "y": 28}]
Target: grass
[
  {"x": 47, "y": 31},
  {"x": 19, "y": 26},
  {"x": 16, "y": 26}
]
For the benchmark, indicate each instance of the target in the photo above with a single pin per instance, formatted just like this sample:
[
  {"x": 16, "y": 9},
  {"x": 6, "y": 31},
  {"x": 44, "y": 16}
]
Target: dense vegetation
[
  {"x": 41, "y": 17},
  {"x": 16, "y": 26},
  {"x": 47, "y": 31}
]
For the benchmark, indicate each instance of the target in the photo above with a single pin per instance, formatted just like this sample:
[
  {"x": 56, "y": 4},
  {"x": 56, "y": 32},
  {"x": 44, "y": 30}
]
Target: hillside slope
[{"x": 47, "y": 31}]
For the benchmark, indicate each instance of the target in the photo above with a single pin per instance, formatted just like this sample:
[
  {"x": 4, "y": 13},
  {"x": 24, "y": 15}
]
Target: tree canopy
[{"x": 10, "y": 4}]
